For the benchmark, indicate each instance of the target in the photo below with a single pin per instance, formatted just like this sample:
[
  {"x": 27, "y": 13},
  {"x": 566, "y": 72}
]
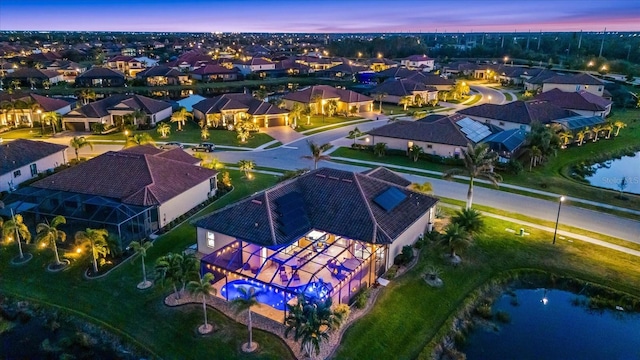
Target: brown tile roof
[
  {"x": 431, "y": 80},
  {"x": 541, "y": 77},
  {"x": 255, "y": 61},
  {"x": 582, "y": 100},
  {"x": 100, "y": 108},
  {"x": 121, "y": 58},
  {"x": 521, "y": 112},
  {"x": 211, "y": 69},
  {"x": 326, "y": 92},
  {"x": 45, "y": 103},
  {"x": 347, "y": 68},
  {"x": 382, "y": 173},
  {"x": 20, "y": 152},
  {"x": 418, "y": 58},
  {"x": 176, "y": 154},
  {"x": 441, "y": 131},
  {"x": 159, "y": 71},
  {"x": 25, "y": 73},
  {"x": 130, "y": 177},
  {"x": 401, "y": 87},
  {"x": 332, "y": 200},
  {"x": 577, "y": 79},
  {"x": 100, "y": 72},
  {"x": 239, "y": 101}
]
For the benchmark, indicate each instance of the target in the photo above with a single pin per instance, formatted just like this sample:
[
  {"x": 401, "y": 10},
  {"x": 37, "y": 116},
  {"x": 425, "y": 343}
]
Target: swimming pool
[{"x": 273, "y": 295}]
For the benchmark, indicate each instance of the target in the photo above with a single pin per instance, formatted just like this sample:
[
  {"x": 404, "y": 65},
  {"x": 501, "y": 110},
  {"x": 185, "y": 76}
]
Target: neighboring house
[
  {"x": 214, "y": 73},
  {"x": 227, "y": 109},
  {"x": 381, "y": 64},
  {"x": 100, "y": 77},
  {"x": 318, "y": 63},
  {"x": 574, "y": 83},
  {"x": 535, "y": 83},
  {"x": 68, "y": 69},
  {"x": 319, "y": 95},
  {"x": 288, "y": 67},
  {"x": 254, "y": 65},
  {"x": 517, "y": 114},
  {"x": 128, "y": 65},
  {"x": 418, "y": 62},
  {"x": 327, "y": 233},
  {"x": 438, "y": 82},
  {"x": 396, "y": 89},
  {"x": 465, "y": 68},
  {"x": 23, "y": 109},
  {"x": 344, "y": 70},
  {"x": 112, "y": 111},
  {"x": 32, "y": 78},
  {"x": 581, "y": 102},
  {"x": 22, "y": 160},
  {"x": 163, "y": 75},
  {"x": 131, "y": 193}
]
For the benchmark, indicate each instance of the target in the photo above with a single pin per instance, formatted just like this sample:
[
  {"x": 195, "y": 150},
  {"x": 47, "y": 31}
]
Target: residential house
[
  {"x": 128, "y": 65},
  {"x": 346, "y": 70},
  {"x": 535, "y": 83},
  {"x": 22, "y": 160},
  {"x": 574, "y": 83},
  {"x": 100, "y": 77},
  {"x": 418, "y": 62},
  {"x": 227, "y": 109},
  {"x": 112, "y": 111},
  {"x": 215, "y": 73},
  {"x": 439, "y": 82},
  {"x": 163, "y": 75},
  {"x": 319, "y": 95},
  {"x": 289, "y": 67},
  {"x": 396, "y": 89},
  {"x": 68, "y": 69},
  {"x": 381, "y": 64},
  {"x": 32, "y": 78},
  {"x": 517, "y": 114},
  {"x": 327, "y": 233},
  {"x": 581, "y": 102},
  {"x": 254, "y": 65},
  {"x": 23, "y": 109},
  {"x": 318, "y": 63}
]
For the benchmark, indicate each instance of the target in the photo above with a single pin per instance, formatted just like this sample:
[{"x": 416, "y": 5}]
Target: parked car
[
  {"x": 172, "y": 145},
  {"x": 208, "y": 147}
]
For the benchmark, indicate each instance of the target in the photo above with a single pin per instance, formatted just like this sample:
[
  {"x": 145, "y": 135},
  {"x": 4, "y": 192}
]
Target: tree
[
  {"x": 176, "y": 269},
  {"x": 140, "y": 248},
  {"x": 478, "y": 163},
  {"x": 247, "y": 299},
  {"x": 619, "y": 125},
  {"x": 456, "y": 238},
  {"x": 296, "y": 112},
  {"x": 98, "y": 127},
  {"x": 164, "y": 129},
  {"x": 180, "y": 117},
  {"x": 316, "y": 153},
  {"x": 565, "y": 136},
  {"x": 261, "y": 94},
  {"x": 53, "y": 118},
  {"x": 596, "y": 131},
  {"x": 354, "y": 134},
  {"x": 581, "y": 135},
  {"x": 311, "y": 322},
  {"x": 608, "y": 127},
  {"x": 380, "y": 149},
  {"x": 213, "y": 119},
  {"x": 307, "y": 112},
  {"x": 425, "y": 188},
  {"x": 16, "y": 227},
  {"x": 203, "y": 288},
  {"x": 48, "y": 235},
  {"x": 142, "y": 138},
  {"x": 405, "y": 101},
  {"x": 87, "y": 95},
  {"x": 138, "y": 115},
  {"x": 316, "y": 100},
  {"x": 460, "y": 89},
  {"x": 246, "y": 166},
  {"x": 243, "y": 131},
  {"x": 470, "y": 219},
  {"x": 534, "y": 155},
  {"x": 353, "y": 110},
  {"x": 332, "y": 106},
  {"x": 379, "y": 97},
  {"x": 415, "y": 151},
  {"x": 77, "y": 143},
  {"x": 204, "y": 133},
  {"x": 94, "y": 240},
  {"x": 418, "y": 100}
]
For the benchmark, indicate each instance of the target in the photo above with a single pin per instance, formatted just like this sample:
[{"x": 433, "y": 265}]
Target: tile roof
[
  {"x": 160, "y": 70},
  {"x": 210, "y": 69},
  {"x": 521, "y": 112},
  {"x": 20, "y": 152},
  {"x": 255, "y": 61},
  {"x": 402, "y": 87},
  {"x": 541, "y": 77},
  {"x": 582, "y": 100},
  {"x": 418, "y": 58},
  {"x": 100, "y": 108},
  {"x": 326, "y": 92},
  {"x": 100, "y": 72},
  {"x": 441, "y": 131},
  {"x": 31, "y": 73},
  {"x": 132, "y": 177},
  {"x": 577, "y": 79},
  {"x": 239, "y": 101},
  {"x": 347, "y": 68},
  {"x": 387, "y": 175},
  {"x": 45, "y": 103},
  {"x": 176, "y": 154},
  {"x": 121, "y": 58},
  {"x": 429, "y": 79},
  {"x": 334, "y": 201}
]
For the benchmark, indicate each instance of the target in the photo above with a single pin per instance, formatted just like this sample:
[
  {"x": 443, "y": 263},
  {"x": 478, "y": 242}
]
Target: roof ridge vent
[
  {"x": 347, "y": 180},
  {"x": 256, "y": 201},
  {"x": 334, "y": 178},
  {"x": 321, "y": 175}
]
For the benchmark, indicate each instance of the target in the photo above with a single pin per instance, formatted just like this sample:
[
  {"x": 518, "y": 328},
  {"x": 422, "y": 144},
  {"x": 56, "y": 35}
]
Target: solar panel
[
  {"x": 390, "y": 199},
  {"x": 287, "y": 199},
  {"x": 473, "y": 130}
]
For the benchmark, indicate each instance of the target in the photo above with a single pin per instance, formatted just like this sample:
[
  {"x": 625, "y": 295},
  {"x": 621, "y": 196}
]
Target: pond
[
  {"x": 555, "y": 324},
  {"x": 609, "y": 174}
]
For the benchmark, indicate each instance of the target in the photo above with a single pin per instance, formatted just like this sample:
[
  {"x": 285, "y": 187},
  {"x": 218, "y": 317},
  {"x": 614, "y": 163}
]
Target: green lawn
[
  {"x": 336, "y": 126},
  {"x": 140, "y": 316},
  {"x": 191, "y": 134},
  {"x": 319, "y": 121},
  {"x": 409, "y": 315},
  {"x": 389, "y": 159},
  {"x": 27, "y": 133},
  {"x": 475, "y": 99}
]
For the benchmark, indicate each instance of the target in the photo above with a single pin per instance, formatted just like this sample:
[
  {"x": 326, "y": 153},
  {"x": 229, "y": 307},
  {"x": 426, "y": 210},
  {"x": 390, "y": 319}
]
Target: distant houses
[{"x": 24, "y": 109}]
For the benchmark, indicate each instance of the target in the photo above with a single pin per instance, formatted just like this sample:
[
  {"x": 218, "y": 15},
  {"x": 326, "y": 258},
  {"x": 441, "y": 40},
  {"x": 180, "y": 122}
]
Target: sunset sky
[{"x": 324, "y": 16}]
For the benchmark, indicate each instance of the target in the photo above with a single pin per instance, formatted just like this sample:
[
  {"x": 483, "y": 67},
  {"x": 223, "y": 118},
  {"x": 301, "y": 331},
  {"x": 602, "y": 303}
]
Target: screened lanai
[
  {"x": 318, "y": 265},
  {"x": 82, "y": 211}
]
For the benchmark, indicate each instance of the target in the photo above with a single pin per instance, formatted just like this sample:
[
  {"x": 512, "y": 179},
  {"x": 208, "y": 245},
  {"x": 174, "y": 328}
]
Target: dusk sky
[{"x": 322, "y": 16}]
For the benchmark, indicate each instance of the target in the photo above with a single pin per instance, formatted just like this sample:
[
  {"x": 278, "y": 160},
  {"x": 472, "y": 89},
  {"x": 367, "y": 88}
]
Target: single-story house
[
  {"x": 68, "y": 69},
  {"x": 517, "y": 114},
  {"x": 380, "y": 64},
  {"x": 27, "y": 108},
  {"x": 32, "y": 78},
  {"x": 438, "y": 82},
  {"x": 227, "y": 109},
  {"x": 100, "y": 77},
  {"x": 254, "y": 65},
  {"x": 535, "y": 83},
  {"x": 321, "y": 94},
  {"x": 575, "y": 83},
  {"x": 163, "y": 75},
  {"x": 22, "y": 160},
  {"x": 396, "y": 89},
  {"x": 418, "y": 62},
  {"x": 581, "y": 102},
  {"x": 212, "y": 72},
  {"x": 344, "y": 70},
  {"x": 327, "y": 233},
  {"x": 112, "y": 110}
]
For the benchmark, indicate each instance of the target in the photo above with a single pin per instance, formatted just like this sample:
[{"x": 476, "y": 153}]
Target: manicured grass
[
  {"x": 408, "y": 314},
  {"x": 140, "y": 316},
  {"x": 508, "y": 96},
  {"x": 475, "y": 99},
  {"x": 389, "y": 159},
  {"x": 317, "y": 121},
  {"x": 336, "y": 126},
  {"x": 27, "y": 133}
]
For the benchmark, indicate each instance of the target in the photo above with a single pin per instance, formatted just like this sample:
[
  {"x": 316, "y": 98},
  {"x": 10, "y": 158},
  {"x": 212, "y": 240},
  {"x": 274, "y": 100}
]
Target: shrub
[
  {"x": 484, "y": 311},
  {"x": 343, "y": 309},
  {"x": 514, "y": 167},
  {"x": 391, "y": 273},
  {"x": 361, "y": 298},
  {"x": 405, "y": 256}
]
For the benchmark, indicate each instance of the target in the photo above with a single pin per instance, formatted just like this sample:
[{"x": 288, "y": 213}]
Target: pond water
[
  {"x": 610, "y": 173},
  {"x": 556, "y": 329}
]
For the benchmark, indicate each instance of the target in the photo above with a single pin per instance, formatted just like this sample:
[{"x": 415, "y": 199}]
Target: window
[
  {"x": 16, "y": 173},
  {"x": 429, "y": 146},
  {"x": 211, "y": 239},
  {"x": 213, "y": 184},
  {"x": 34, "y": 169}
]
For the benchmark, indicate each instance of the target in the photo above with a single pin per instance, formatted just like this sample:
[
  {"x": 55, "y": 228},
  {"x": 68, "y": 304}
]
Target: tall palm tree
[
  {"x": 608, "y": 127},
  {"x": 379, "y": 97},
  {"x": 247, "y": 299},
  {"x": 7, "y": 107},
  {"x": 596, "y": 131},
  {"x": 565, "y": 136},
  {"x": 470, "y": 219},
  {"x": 415, "y": 151},
  {"x": 296, "y": 112},
  {"x": 246, "y": 166},
  {"x": 354, "y": 134},
  {"x": 16, "y": 227},
  {"x": 77, "y": 143},
  {"x": 534, "y": 154},
  {"x": 425, "y": 188},
  {"x": 140, "y": 248},
  {"x": 311, "y": 322},
  {"x": 316, "y": 153},
  {"x": 213, "y": 119},
  {"x": 306, "y": 111},
  {"x": 332, "y": 106},
  {"x": 94, "y": 240},
  {"x": 380, "y": 149},
  {"x": 52, "y": 117},
  {"x": 203, "y": 288},
  {"x": 456, "y": 237},
  {"x": 580, "y": 135},
  {"x": 139, "y": 139},
  {"x": 180, "y": 117},
  {"x": 49, "y": 234},
  {"x": 87, "y": 95},
  {"x": 405, "y": 101},
  {"x": 478, "y": 163},
  {"x": 317, "y": 101},
  {"x": 619, "y": 125},
  {"x": 139, "y": 117},
  {"x": 164, "y": 129}
]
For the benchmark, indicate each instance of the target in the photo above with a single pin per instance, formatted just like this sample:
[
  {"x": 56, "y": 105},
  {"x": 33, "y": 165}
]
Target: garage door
[
  {"x": 75, "y": 126},
  {"x": 279, "y": 121}
]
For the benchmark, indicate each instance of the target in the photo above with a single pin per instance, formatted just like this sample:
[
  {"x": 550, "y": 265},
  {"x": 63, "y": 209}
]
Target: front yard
[{"x": 317, "y": 121}]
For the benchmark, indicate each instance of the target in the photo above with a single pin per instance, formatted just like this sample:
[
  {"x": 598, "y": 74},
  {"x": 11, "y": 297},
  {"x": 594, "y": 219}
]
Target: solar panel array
[
  {"x": 473, "y": 130},
  {"x": 390, "y": 199},
  {"x": 293, "y": 217}
]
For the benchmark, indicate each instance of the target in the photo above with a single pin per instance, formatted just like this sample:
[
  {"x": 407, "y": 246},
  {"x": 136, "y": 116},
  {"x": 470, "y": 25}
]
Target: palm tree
[
  {"x": 17, "y": 227},
  {"x": 470, "y": 219},
  {"x": 77, "y": 143},
  {"x": 87, "y": 95},
  {"x": 608, "y": 127},
  {"x": 243, "y": 131},
  {"x": 534, "y": 154},
  {"x": 139, "y": 139},
  {"x": 379, "y": 97},
  {"x": 204, "y": 134},
  {"x": 317, "y": 101},
  {"x": 354, "y": 134},
  {"x": 140, "y": 248},
  {"x": 456, "y": 237},
  {"x": 46, "y": 84},
  {"x": 246, "y": 166},
  {"x": 52, "y": 117},
  {"x": 246, "y": 300},
  {"x": 316, "y": 153},
  {"x": 425, "y": 188},
  {"x": 261, "y": 94},
  {"x": 96, "y": 241},
  {"x": 203, "y": 288},
  {"x": 478, "y": 163},
  {"x": 581, "y": 135},
  {"x": 596, "y": 131},
  {"x": 296, "y": 112},
  {"x": 180, "y": 117},
  {"x": 380, "y": 149},
  {"x": 619, "y": 125},
  {"x": 48, "y": 234},
  {"x": 415, "y": 151},
  {"x": 138, "y": 114},
  {"x": 176, "y": 269},
  {"x": 405, "y": 101},
  {"x": 332, "y": 106},
  {"x": 164, "y": 129},
  {"x": 353, "y": 110},
  {"x": 213, "y": 119},
  {"x": 418, "y": 100},
  {"x": 306, "y": 111},
  {"x": 565, "y": 136}
]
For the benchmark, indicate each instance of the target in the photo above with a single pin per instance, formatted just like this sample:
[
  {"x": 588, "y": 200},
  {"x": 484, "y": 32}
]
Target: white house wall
[
  {"x": 409, "y": 236},
  {"x": 594, "y": 89},
  {"x": 220, "y": 241},
  {"x": 161, "y": 115},
  {"x": 42, "y": 165},
  {"x": 403, "y": 144},
  {"x": 184, "y": 202}
]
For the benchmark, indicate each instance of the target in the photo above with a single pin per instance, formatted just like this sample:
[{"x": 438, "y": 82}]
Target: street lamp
[
  {"x": 506, "y": 58},
  {"x": 555, "y": 232},
  {"x": 489, "y": 99}
]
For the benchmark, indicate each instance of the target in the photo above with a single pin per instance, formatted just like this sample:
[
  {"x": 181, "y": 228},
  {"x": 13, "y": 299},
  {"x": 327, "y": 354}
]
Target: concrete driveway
[{"x": 284, "y": 134}]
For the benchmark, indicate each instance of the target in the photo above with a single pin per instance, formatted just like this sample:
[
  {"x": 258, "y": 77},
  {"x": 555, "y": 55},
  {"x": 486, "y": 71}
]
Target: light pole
[{"x": 555, "y": 232}]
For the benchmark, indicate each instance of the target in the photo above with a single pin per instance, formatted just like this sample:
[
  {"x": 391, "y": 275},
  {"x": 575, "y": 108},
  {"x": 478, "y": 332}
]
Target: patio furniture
[
  {"x": 255, "y": 270},
  {"x": 295, "y": 277},
  {"x": 246, "y": 266},
  {"x": 340, "y": 276},
  {"x": 331, "y": 264},
  {"x": 283, "y": 277},
  {"x": 351, "y": 264}
]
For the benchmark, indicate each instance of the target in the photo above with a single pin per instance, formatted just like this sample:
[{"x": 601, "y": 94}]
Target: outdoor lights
[
  {"x": 555, "y": 232},
  {"x": 590, "y": 63},
  {"x": 366, "y": 140},
  {"x": 78, "y": 250}
]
